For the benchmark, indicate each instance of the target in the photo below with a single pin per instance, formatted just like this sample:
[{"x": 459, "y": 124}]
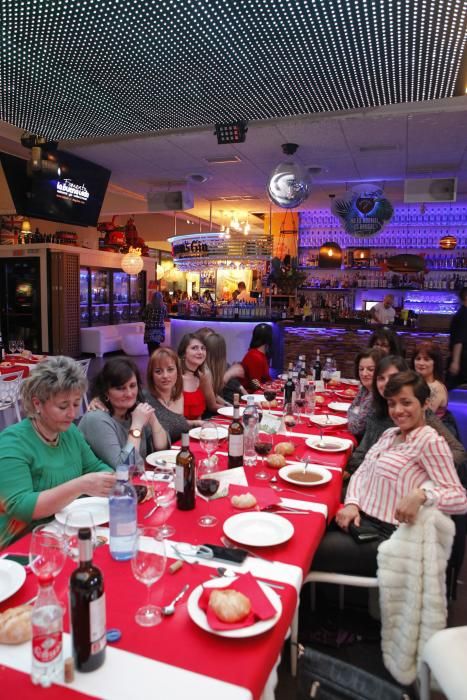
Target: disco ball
[{"x": 288, "y": 185}]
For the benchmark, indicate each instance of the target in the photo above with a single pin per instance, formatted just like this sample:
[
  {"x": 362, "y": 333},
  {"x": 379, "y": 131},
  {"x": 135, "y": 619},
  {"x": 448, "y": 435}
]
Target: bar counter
[{"x": 343, "y": 340}]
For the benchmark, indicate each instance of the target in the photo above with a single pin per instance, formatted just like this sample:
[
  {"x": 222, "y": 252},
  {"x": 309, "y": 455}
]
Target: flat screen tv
[{"x": 74, "y": 197}]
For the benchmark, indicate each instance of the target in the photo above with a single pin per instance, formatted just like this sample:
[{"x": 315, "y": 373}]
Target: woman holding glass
[{"x": 45, "y": 463}]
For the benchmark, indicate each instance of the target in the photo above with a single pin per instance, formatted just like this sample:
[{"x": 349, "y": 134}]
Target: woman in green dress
[{"x": 45, "y": 462}]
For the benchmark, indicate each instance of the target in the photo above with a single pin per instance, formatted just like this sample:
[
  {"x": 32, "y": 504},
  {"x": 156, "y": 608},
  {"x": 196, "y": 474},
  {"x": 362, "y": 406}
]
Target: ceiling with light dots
[{"x": 80, "y": 69}]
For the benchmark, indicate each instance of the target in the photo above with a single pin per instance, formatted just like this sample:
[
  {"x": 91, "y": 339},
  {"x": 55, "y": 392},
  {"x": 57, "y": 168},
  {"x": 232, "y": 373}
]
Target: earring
[{"x": 38, "y": 412}]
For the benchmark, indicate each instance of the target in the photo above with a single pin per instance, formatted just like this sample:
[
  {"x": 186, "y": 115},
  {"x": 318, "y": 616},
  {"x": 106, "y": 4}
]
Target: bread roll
[
  {"x": 276, "y": 461},
  {"x": 15, "y": 625},
  {"x": 284, "y": 448},
  {"x": 244, "y": 500},
  {"x": 319, "y": 399},
  {"x": 229, "y": 606}
]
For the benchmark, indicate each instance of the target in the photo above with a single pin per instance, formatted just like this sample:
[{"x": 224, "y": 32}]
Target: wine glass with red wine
[
  {"x": 263, "y": 446},
  {"x": 207, "y": 485},
  {"x": 270, "y": 393}
]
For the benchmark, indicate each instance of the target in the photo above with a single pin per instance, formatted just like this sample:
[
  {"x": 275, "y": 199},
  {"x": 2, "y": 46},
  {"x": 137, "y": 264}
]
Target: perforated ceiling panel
[{"x": 84, "y": 68}]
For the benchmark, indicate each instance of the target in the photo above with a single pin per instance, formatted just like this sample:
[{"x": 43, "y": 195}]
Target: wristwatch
[{"x": 135, "y": 432}]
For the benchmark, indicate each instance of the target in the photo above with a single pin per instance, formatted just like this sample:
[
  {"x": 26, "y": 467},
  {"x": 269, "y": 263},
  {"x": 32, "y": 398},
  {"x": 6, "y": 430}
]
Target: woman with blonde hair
[
  {"x": 165, "y": 387},
  {"x": 45, "y": 462}
]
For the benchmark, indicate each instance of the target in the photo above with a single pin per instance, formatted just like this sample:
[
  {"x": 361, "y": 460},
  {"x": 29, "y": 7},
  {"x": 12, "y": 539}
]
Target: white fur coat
[{"x": 412, "y": 585}]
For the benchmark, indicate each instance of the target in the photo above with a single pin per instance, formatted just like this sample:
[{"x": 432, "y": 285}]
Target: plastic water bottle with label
[
  {"x": 251, "y": 427},
  {"x": 122, "y": 517},
  {"x": 47, "y": 632}
]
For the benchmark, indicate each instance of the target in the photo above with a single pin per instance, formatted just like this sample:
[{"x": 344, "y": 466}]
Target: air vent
[
  {"x": 223, "y": 159},
  {"x": 442, "y": 189}
]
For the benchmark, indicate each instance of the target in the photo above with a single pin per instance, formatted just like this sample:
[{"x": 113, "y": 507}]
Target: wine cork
[
  {"x": 69, "y": 670},
  {"x": 175, "y": 566}
]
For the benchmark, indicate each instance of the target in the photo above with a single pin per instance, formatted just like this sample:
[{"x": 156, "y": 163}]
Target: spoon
[
  {"x": 279, "y": 489},
  {"x": 169, "y": 609}
]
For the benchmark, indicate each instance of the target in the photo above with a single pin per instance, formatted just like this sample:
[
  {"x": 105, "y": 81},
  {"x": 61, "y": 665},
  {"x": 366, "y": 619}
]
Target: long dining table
[{"x": 178, "y": 656}]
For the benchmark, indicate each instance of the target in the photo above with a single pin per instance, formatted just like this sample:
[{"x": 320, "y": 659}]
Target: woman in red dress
[
  {"x": 198, "y": 392},
  {"x": 256, "y": 361}
]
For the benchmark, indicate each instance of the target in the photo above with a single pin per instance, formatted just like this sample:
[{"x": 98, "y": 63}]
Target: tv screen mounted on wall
[{"x": 73, "y": 197}]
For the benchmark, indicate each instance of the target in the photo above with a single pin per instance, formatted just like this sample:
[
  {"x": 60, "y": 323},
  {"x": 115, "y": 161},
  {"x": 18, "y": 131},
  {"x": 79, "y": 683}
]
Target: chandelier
[{"x": 132, "y": 262}]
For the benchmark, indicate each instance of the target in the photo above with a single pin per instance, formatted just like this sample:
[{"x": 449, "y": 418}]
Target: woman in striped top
[{"x": 391, "y": 484}]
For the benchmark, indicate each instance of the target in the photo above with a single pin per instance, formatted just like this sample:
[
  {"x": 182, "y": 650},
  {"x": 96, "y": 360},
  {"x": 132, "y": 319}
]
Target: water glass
[
  {"x": 209, "y": 438},
  {"x": 74, "y": 521},
  {"x": 46, "y": 553},
  {"x": 148, "y": 565},
  {"x": 165, "y": 496}
]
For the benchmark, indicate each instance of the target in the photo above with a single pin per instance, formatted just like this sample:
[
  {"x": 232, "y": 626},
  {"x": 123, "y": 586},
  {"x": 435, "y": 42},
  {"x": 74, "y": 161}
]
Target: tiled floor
[{"x": 364, "y": 653}]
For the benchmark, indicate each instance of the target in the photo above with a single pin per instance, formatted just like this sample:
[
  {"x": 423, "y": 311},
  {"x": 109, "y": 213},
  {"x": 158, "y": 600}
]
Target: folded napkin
[
  {"x": 264, "y": 496},
  {"x": 261, "y": 607}
]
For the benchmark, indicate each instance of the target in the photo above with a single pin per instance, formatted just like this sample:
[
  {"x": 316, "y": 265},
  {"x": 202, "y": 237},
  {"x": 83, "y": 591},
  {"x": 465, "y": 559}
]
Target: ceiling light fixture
[{"x": 233, "y": 132}]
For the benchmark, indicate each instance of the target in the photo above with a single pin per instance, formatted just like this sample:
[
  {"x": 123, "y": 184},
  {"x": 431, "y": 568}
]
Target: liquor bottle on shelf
[
  {"x": 317, "y": 366},
  {"x": 47, "y": 634},
  {"x": 122, "y": 516},
  {"x": 289, "y": 387},
  {"x": 185, "y": 475},
  {"x": 2, "y": 348},
  {"x": 87, "y": 609},
  {"x": 236, "y": 437}
]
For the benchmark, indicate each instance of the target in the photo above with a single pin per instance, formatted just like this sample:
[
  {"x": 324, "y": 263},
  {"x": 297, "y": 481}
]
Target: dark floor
[{"x": 358, "y": 632}]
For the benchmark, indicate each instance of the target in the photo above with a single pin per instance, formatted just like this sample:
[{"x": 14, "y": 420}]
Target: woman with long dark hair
[
  {"x": 198, "y": 392},
  {"x": 427, "y": 361},
  {"x": 256, "y": 361},
  {"x": 128, "y": 422}
]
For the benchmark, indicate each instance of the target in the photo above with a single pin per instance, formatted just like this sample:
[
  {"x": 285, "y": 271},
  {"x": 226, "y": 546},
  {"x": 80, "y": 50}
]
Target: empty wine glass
[
  {"x": 263, "y": 446},
  {"x": 209, "y": 438},
  {"x": 12, "y": 347},
  {"x": 74, "y": 521},
  {"x": 46, "y": 553},
  {"x": 207, "y": 486},
  {"x": 19, "y": 345},
  {"x": 164, "y": 494},
  {"x": 148, "y": 565}
]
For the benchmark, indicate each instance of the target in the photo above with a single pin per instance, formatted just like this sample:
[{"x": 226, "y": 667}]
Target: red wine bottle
[
  {"x": 185, "y": 469},
  {"x": 235, "y": 437},
  {"x": 87, "y": 609}
]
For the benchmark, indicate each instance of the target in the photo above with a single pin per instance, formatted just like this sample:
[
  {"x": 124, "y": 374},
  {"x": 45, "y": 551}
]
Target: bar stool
[{"x": 444, "y": 657}]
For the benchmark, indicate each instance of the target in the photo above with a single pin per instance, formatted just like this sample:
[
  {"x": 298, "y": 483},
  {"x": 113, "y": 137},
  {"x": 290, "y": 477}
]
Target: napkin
[
  {"x": 261, "y": 607},
  {"x": 264, "y": 496}
]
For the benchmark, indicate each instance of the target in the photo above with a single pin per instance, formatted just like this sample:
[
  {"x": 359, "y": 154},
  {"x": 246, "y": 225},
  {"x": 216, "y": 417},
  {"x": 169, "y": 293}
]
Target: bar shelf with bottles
[{"x": 110, "y": 296}]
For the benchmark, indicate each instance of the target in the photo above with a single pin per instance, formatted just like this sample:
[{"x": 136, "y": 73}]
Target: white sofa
[{"x": 102, "y": 339}]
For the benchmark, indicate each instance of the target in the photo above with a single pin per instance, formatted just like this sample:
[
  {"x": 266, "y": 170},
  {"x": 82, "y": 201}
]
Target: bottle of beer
[
  {"x": 317, "y": 366},
  {"x": 185, "y": 475},
  {"x": 236, "y": 434},
  {"x": 289, "y": 387}
]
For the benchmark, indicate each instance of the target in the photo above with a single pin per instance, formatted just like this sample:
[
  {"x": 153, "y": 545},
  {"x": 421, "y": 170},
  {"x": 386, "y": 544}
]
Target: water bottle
[
  {"x": 47, "y": 631},
  {"x": 122, "y": 517},
  {"x": 251, "y": 424}
]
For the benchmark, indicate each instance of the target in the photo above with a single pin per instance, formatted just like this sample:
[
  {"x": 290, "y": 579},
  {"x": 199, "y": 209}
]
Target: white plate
[
  {"x": 258, "y": 529},
  {"x": 352, "y": 382},
  {"x": 324, "y": 473},
  {"x": 12, "y": 577},
  {"x": 258, "y": 398},
  {"x": 199, "y": 617},
  {"x": 339, "y": 406},
  {"x": 97, "y": 506},
  {"x": 167, "y": 455},
  {"x": 222, "y": 432},
  {"x": 326, "y": 420},
  {"x": 228, "y": 411},
  {"x": 335, "y": 444}
]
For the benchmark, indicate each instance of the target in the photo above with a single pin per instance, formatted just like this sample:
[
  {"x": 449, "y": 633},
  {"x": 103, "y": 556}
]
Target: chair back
[
  {"x": 85, "y": 365},
  {"x": 10, "y": 385}
]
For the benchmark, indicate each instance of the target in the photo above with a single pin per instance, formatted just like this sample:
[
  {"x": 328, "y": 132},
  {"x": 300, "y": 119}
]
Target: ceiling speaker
[
  {"x": 178, "y": 200},
  {"x": 442, "y": 189}
]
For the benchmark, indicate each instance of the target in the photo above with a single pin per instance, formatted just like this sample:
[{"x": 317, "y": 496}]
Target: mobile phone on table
[{"x": 228, "y": 554}]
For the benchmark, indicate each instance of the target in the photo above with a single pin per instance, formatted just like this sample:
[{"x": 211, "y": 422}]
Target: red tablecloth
[{"x": 15, "y": 368}]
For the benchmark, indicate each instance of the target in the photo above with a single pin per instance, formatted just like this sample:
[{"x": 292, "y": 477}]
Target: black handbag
[{"x": 326, "y": 678}]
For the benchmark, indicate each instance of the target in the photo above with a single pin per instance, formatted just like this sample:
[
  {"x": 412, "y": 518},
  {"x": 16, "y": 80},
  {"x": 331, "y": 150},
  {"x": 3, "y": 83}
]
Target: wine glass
[
  {"x": 164, "y": 495},
  {"x": 270, "y": 393},
  {"x": 289, "y": 416},
  {"x": 12, "y": 347},
  {"x": 74, "y": 521},
  {"x": 19, "y": 345},
  {"x": 148, "y": 565},
  {"x": 263, "y": 446},
  {"x": 207, "y": 486},
  {"x": 209, "y": 438},
  {"x": 299, "y": 407},
  {"x": 46, "y": 553}
]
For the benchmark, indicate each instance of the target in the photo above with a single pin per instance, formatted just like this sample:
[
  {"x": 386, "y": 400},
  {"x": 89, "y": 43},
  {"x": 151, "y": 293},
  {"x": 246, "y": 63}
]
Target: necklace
[
  {"x": 51, "y": 442},
  {"x": 164, "y": 402}
]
